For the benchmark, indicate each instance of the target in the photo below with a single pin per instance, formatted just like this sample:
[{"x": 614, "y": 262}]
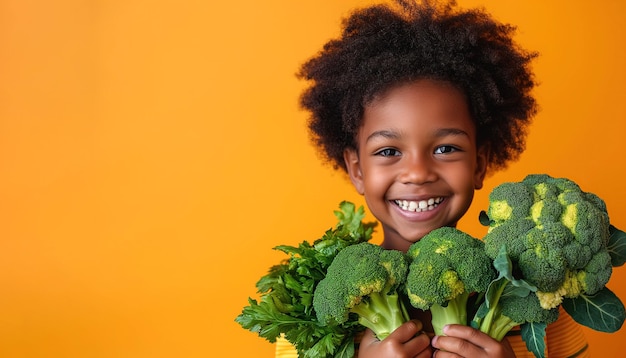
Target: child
[{"x": 417, "y": 103}]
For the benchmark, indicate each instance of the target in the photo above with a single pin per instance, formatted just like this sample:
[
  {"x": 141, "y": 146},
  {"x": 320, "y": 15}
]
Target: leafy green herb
[{"x": 286, "y": 303}]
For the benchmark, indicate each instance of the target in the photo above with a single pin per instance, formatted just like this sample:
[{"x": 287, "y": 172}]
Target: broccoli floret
[
  {"x": 499, "y": 236},
  {"x": 511, "y": 302},
  {"x": 544, "y": 263},
  {"x": 594, "y": 276},
  {"x": 363, "y": 279},
  {"x": 509, "y": 200},
  {"x": 558, "y": 251},
  {"x": 571, "y": 230},
  {"x": 514, "y": 311},
  {"x": 589, "y": 280},
  {"x": 447, "y": 265}
]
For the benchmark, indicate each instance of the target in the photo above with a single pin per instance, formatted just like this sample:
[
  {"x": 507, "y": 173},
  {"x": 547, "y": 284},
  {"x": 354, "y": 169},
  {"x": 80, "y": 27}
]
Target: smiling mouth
[{"x": 419, "y": 206}]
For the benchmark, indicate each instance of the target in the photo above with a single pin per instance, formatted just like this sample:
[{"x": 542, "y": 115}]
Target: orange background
[{"x": 152, "y": 153}]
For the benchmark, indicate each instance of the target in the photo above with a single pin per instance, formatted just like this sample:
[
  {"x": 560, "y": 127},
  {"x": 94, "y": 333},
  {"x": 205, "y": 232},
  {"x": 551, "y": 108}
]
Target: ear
[
  {"x": 351, "y": 158},
  {"x": 482, "y": 158}
]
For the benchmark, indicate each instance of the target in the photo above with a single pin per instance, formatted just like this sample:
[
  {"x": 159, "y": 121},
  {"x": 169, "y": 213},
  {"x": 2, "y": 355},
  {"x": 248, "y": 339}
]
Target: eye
[
  {"x": 387, "y": 152},
  {"x": 445, "y": 149}
]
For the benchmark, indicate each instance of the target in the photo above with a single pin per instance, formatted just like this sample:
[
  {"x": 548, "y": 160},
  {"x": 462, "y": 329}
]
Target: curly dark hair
[{"x": 383, "y": 46}]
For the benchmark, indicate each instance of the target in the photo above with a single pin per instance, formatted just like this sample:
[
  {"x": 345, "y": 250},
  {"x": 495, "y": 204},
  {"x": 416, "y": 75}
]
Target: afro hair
[{"x": 383, "y": 46}]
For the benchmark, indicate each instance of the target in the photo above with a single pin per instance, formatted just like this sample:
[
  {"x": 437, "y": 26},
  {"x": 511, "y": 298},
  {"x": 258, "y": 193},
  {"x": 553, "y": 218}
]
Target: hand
[
  {"x": 464, "y": 341},
  {"x": 406, "y": 341}
]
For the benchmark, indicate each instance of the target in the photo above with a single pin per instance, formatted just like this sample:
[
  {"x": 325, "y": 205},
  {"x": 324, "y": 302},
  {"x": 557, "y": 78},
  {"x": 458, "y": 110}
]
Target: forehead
[
  {"x": 422, "y": 92},
  {"x": 424, "y": 103}
]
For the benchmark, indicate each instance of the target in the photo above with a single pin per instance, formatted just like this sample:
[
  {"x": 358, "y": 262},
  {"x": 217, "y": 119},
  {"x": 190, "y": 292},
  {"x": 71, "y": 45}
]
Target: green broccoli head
[
  {"x": 563, "y": 234},
  {"x": 447, "y": 265},
  {"x": 444, "y": 264},
  {"x": 527, "y": 309},
  {"x": 363, "y": 279}
]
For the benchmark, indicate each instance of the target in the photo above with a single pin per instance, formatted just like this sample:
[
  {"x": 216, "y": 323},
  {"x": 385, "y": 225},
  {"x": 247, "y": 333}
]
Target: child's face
[{"x": 417, "y": 164}]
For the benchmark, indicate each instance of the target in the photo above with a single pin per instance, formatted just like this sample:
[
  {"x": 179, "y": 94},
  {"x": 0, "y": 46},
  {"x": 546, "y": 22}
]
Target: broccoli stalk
[
  {"x": 511, "y": 302},
  {"x": 363, "y": 280},
  {"x": 447, "y": 266},
  {"x": 494, "y": 323},
  {"x": 454, "y": 312},
  {"x": 382, "y": 312}
]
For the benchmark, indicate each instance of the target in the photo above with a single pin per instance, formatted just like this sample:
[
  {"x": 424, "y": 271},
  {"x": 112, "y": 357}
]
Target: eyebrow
[
  {"x": 383, "y": 133},
  {"x": 443, "y": 132}
]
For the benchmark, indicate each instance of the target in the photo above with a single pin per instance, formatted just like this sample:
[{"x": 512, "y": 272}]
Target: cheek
[
  {"x": 378, "y": 180},
  {"x": 465, "y": 179}
]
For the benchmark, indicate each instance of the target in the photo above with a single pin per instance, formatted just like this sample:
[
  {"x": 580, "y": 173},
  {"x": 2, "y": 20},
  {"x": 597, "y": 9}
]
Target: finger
[
  {"x": 425, "y": 354},
  {"x": 368, "y": 338},
  {"x": 469, "y": 342},
  {"x": 407, "y": 331},
  {"x": 454, "y": 346},
  {"x": 446, "y": 354},
  {"x": 466, "y": 333},
  {"x": 449, "y": 347},
  {"x": 420, "y": 343}
]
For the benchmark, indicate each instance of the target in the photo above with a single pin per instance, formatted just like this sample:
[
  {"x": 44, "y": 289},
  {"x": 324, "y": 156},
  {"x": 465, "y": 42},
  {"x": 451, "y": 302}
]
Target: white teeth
[{"x": 419, "y": 206}]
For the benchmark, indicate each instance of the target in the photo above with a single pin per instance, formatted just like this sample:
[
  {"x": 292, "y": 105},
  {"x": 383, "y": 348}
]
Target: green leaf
[
  {"x": 534, "y": 335},
  {"x": 617, "y": 246},
  {"x": 492, "y": 296},
  {"x": 504, "y": 266},
  {"x": 483, "y": 218},
  {"x": 602, "y": 311},
  {"x": 481, "y": 313},
  {"x": 265, "y": 319},
  {"x": 346, "y": 350},
  {"x": 349, "y": 217},
  {"x": 324, "y": 346}
]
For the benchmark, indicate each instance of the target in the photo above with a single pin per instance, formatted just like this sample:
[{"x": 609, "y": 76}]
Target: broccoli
[
  {"x": 552, "y": 241},
  {"x": 363, "y": 279},
  {"x": 558, "y": 241},
  {"x": 511, "y": 302},
  {"x": 447, "y": 266},
  {"x": 518, "y": 310}
]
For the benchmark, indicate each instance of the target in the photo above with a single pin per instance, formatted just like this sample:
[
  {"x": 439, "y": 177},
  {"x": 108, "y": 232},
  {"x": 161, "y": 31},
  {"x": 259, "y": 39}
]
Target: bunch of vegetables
[
  {"x": 286, "y": 292},
  {"x": 549, "y": 245}
]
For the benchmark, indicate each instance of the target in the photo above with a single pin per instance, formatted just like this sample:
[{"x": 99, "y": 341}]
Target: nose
[{"x": 417, "y": 169}]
